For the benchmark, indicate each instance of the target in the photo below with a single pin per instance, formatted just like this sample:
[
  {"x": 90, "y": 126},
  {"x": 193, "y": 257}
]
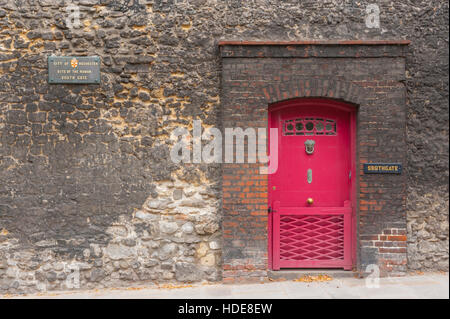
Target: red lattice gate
[{"x": 311, "y": 237}]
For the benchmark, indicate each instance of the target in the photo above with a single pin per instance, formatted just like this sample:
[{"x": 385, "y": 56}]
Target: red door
[{"x": 310, "y": 193}]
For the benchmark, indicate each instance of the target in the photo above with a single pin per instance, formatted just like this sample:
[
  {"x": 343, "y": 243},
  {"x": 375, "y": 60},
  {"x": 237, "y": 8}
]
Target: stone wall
[
  {"x": 87, "y": 186},
  {"x": 85, "y": 177}
]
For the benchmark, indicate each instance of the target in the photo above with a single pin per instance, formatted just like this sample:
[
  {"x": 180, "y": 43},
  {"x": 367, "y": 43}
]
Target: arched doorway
[{"x": 312, "y": 194}]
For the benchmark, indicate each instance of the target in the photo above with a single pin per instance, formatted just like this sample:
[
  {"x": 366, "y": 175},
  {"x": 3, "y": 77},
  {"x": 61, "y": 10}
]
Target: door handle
[
  {"x": 270, "y": 210},
  {"x": 310, "y": 201},
  {"x": 309, "y": 176}
]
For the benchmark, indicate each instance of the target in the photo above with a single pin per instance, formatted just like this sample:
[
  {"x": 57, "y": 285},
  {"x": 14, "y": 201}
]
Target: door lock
[{"x": 270, "y": 210}]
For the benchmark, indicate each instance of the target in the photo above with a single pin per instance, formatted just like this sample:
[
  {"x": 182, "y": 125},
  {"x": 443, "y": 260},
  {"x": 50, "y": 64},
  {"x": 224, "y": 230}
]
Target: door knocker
[{"x": 309, "y": 146}]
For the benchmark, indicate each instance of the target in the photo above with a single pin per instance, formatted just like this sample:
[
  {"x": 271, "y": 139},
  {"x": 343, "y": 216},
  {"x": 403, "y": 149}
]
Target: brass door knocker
[{"x": 309, "y": 146}]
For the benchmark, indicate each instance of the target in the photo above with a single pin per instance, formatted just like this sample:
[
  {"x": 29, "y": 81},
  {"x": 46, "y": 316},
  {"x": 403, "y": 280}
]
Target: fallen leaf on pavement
[{"x": 318, "y": 278}]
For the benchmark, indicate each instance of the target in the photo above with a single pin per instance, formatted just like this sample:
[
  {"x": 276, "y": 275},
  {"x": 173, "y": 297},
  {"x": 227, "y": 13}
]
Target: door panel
[{"x": 316, "y": 234}]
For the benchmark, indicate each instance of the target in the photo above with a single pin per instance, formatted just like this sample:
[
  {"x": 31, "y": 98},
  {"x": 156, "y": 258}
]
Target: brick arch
[{"x": 324, "y": 88}]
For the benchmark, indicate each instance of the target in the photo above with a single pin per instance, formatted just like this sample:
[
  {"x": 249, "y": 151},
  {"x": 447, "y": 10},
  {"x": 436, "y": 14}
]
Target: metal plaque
[
  {"x": 382, "y": 168},
  {"x": 73, "y": 69}
]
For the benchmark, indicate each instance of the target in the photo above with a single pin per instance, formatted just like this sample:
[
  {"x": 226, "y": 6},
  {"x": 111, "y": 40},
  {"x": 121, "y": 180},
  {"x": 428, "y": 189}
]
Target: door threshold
[{"x": 291, "y": 274}]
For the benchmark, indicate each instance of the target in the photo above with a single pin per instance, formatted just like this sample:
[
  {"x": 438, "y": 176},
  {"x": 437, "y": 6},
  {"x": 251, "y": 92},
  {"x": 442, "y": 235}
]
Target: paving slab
[{"x": 429, "y": 286}]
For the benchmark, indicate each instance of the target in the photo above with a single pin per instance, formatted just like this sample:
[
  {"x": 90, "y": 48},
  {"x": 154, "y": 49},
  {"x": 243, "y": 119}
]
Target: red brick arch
[{"x": 324, "y": 88}]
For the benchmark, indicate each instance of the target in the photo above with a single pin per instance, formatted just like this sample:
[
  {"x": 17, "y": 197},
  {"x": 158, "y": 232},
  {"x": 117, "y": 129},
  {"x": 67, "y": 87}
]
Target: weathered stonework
[{"x": 86, "y": 181}]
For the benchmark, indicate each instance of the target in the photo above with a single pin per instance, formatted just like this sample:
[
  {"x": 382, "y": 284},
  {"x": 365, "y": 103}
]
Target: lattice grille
[
  {"x": 309, "y": 126},
  {"x": 312, "y": 237}
]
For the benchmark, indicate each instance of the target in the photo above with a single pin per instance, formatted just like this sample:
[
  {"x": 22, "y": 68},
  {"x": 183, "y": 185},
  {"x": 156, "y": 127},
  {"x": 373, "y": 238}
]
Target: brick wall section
[
  {"x": 367, "y": 75},
  {"x": 391, "y": 247}
]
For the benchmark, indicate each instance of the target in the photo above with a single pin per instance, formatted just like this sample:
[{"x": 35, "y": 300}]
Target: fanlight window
[{"x": 309, "y": 126}]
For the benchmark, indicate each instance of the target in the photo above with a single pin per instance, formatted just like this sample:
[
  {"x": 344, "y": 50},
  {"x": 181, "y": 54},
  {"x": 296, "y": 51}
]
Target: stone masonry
[{"x": 87, "y": 187}]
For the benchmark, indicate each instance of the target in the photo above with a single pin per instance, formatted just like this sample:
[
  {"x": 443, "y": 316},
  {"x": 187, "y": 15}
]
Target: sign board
[
  {"x": 382, "y": 168},
  {"x": 72, "y": 69}
]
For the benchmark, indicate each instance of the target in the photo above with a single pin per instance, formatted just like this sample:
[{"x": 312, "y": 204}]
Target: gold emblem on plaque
[{"x": 74, "y": 63}]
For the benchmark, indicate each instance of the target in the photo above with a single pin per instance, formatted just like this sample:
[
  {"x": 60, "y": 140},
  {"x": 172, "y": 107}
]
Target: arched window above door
[{"x": 309, "y": 126}]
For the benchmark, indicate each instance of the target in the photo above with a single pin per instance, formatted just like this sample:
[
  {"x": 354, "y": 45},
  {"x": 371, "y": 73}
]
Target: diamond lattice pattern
[{"x": 312, "y": 237}]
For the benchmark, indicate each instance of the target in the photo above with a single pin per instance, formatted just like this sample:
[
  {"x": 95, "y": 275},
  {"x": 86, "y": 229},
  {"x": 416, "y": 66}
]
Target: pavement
[{"x": 424, "y": 286}]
